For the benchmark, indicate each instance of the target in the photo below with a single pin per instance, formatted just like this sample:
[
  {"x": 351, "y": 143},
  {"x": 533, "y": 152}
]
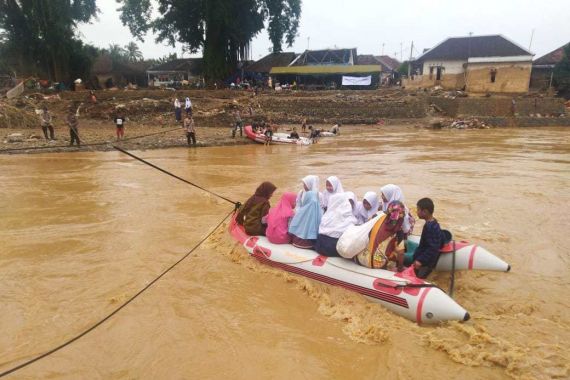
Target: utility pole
[
  {"x": 402, "y": 51},
  {"x": 383, "y": 48},
  {"x": 308, "y": 42},
  {"x": 531, "y": 37},
  {"x": 410, "y": 61},
  {"x": 466, "y": 75}
]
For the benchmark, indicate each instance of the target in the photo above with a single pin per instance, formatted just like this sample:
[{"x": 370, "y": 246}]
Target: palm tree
[
  {"x": 116, "y": 52},
  {"x": 132, "y": 52}
]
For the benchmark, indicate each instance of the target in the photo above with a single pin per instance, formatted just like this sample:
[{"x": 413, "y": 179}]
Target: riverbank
[
  {"x": 100, "y": 136},
  {"x": 150, "y": 112}
]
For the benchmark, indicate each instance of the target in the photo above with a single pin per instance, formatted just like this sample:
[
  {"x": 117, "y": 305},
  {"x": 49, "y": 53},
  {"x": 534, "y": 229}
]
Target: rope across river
[
  {"x": 163, "y": 273},
  {"x": 100, "y": 143}
]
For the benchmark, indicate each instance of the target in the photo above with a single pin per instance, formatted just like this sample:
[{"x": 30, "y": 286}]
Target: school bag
[{"x": 356, "y": 238}]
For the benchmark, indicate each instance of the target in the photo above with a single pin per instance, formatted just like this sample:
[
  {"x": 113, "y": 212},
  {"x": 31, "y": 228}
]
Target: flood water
[{"x": 82, "y": 232}]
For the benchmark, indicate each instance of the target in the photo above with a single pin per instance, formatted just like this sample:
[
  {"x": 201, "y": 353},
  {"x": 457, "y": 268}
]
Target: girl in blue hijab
[{"x": 304, "y": 226}]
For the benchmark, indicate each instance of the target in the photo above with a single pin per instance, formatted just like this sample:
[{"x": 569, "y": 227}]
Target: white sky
[{"x": 368, "y": 24}]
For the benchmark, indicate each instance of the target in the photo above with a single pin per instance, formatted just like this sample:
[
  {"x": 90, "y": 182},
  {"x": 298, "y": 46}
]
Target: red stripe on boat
[
  {"x": 382, "y": 296},
  {"x": 472, "y": 256},
  {"x": 421, "y": 305}
]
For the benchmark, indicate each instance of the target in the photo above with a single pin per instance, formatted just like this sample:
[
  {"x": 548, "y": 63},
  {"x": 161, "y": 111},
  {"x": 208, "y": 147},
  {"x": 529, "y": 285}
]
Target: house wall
[
  {"x": 540, "y": 78},
  {"x": 513, "y": 77},
  {"x": 447, "y": 82},
  {"x": 451, "y": 67},
  {"x": 499, "y": 106}
]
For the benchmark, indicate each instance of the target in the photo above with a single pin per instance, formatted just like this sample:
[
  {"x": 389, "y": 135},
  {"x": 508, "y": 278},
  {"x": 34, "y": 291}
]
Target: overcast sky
[{"x": 376, "y": 25}]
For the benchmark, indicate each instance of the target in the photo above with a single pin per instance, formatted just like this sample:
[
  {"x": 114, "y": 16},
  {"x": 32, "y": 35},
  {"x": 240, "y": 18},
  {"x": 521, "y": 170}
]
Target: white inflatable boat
[
  {"x": 468, "y": 256},
  {"x": 402, "y": 293},
  {"x": 278, "y": 138}
]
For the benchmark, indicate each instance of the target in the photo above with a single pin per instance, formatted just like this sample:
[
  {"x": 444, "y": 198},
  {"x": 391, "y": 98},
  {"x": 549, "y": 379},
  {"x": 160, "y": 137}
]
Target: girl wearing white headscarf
[
  {"x": 391, "y": 193},
  {"x": 334, "y": 222},
  {"x": 354, "y": 203},
  {"x": 368, "y": 207},
  {"x": 310, "y": 183},
  {"x": 333, "y": 186}
]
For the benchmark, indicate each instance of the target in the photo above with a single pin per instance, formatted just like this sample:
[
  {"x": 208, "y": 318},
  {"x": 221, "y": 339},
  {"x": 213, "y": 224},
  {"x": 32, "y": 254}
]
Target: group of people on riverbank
[
  {"x": 311, "y": 219},
  {"x": 72, "y": 121}
]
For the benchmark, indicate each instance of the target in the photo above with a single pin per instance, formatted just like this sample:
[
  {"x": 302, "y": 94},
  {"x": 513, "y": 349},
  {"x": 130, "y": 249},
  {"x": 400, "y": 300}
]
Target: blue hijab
[{"x": 305, "y": 223}]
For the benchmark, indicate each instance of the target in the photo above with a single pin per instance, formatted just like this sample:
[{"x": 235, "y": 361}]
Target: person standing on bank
[
  {"x": 120, "y": 124},
  {"x": 238, "y": 124},
  {"x": 73, "y": 124},
  {"x": 188, "y": 106},
  {"x": 177, "y": 110},
  {"x": 190, "y": 130},
  {"x": 46, "y": 124}
]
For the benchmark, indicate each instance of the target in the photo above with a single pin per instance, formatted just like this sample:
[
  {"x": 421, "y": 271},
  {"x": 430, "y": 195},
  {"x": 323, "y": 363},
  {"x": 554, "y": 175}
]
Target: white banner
[{"x": 356, "y": 81}]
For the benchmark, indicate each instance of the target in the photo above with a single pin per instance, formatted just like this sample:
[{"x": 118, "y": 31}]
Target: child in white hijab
[
  {"x": 310, "y": 183},
  {"x": 334, "y": 222},
  {"x": 392, "y": 193},
  {"x": 355, "y": 204},
  {"x": 333, "y": 186},
  {"x": 368, "y": 208}
]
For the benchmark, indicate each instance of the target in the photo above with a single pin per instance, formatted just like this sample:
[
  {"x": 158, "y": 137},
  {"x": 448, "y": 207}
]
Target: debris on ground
[
  {"x": 469, "y": 123},
  {"x": 14, "y": 117}
]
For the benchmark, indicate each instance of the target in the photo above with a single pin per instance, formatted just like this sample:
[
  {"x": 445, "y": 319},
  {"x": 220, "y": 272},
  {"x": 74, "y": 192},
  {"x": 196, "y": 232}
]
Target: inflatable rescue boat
[
  {"x": 402, "y": 293},
  {"x": 468, "y": 256},
  {"x": 278, "y": 138}
]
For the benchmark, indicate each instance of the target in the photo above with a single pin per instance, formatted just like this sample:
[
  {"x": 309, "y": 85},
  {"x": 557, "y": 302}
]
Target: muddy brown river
[{"x": 82, "y": 232}]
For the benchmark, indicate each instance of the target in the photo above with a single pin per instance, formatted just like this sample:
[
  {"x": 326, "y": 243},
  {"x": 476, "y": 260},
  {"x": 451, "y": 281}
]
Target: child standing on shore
[
  {"x": 190, "y": 130},
  {"x": 120, "y": 124}
]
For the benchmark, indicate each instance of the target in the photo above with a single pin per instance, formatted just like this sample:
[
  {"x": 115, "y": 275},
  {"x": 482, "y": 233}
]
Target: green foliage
[
  {"x": 223, "y": 29},
  {"x": 133, "y": 53},
  {"x": 403, "y": 69},
  {"x": 41, "y": 35},
  {"x": 117, "y": 52},
  {"x": 562, "y": 74}
]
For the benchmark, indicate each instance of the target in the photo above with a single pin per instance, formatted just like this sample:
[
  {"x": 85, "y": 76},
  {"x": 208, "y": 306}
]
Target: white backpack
[{"x": 355, "y": 239}]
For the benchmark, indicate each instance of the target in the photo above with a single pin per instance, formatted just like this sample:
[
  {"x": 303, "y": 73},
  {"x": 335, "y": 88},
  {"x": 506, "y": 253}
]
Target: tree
[
  {"x": 403, "y": 69},
  {"x": 42, "y": 34},
  {"x": 132, "y": 52},
  {"x": 562, "y": 74},
  {"x": 222, "y": 29},
  {"x": 117, "y": 52}
]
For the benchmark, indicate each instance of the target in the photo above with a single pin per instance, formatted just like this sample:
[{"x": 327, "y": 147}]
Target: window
[{"x": 493, "y": 75}]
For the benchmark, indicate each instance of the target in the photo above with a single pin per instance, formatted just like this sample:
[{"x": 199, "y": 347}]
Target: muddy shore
[
  {"x": 150, "y": 112},
  {"x": 100, "y": 136}
]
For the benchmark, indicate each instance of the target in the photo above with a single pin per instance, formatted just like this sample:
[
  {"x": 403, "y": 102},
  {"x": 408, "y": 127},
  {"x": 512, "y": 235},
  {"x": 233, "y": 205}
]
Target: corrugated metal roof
[{"x": 326, "y": 69}]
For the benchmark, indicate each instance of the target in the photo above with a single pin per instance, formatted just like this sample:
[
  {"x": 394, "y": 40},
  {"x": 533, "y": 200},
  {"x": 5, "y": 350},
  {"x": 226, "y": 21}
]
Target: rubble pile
[
  {"x": 14, "y": 117},
  {"x": 468, "y": 123}
]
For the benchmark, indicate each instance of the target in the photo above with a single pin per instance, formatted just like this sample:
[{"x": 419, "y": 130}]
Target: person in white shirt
[{"x": 188, "y": 106}]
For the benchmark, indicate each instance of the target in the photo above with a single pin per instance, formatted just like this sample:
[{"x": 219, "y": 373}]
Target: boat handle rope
[{"x": 116, "y": 310}]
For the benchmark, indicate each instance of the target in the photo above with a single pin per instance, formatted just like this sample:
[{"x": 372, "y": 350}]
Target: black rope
[
  {"x": 174, "y": 175},
  {"x": 407, "y": 286},
  {"x": 27, "y": 363},
  {"x": 47, "y": 147},
  {"x": 452, "y": 279}
]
